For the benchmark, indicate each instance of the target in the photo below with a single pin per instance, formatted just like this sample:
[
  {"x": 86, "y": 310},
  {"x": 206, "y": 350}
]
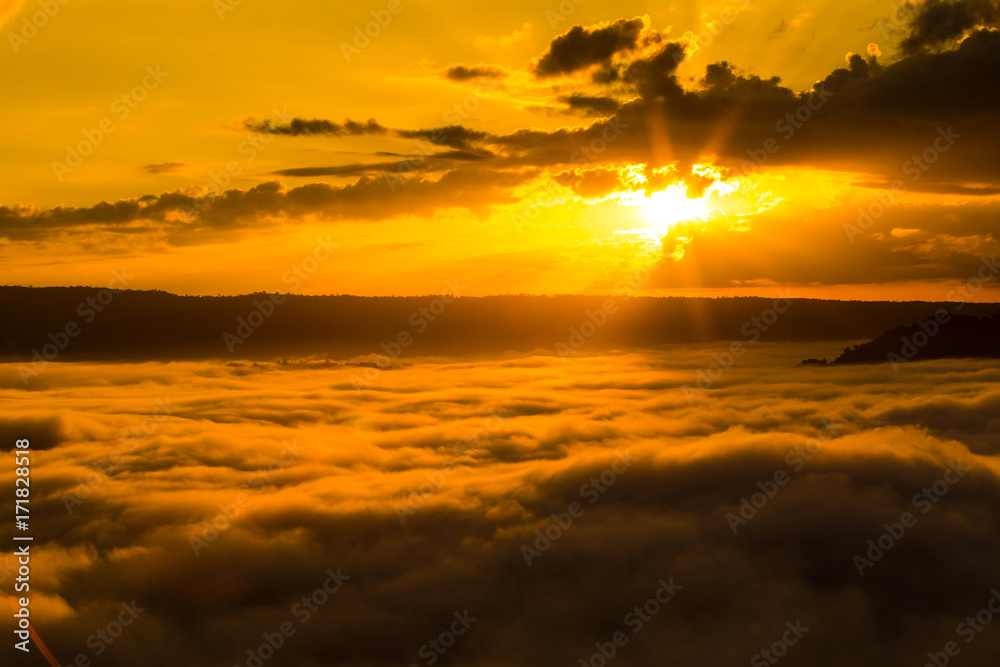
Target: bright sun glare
[
  {"x": 667, "y": 207},
  {"x": 672, "y": 211}
]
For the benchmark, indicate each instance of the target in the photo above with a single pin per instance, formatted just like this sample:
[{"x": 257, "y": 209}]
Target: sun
[
  {"x": 680, "y": 205},
  {"x": 665, "y": 208}
]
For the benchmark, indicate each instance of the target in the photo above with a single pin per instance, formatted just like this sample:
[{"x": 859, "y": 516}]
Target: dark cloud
[
  {"x": 936, "y": 22},
  {"x": 723, "y": 81},
  {"x": 939, "y": 188},
  {"x": 306, "y": 127},
  {"x": 942, "y": 86},
  {"x": 609, "y": 73},
  {"x": 463, "y": 156},
  {"x": 582, "y": 47},
  {"x": 858, "y": 69},
  {"x": 779, "y": 29},
  {"x": 865, "y": 113},
  {"x": 415, "y": 163},
  {"x": 183, "y": 218},
  {"x": 653, "y": 76},
  {"x": 455, "y": 136},
  {"x": 467, "y": 72},
  {"x": 597, "y": 105},
  {"x": 354, "y": 169},
  {"x": 162, "y": 167},
  {"x": 866, "y": 117}
]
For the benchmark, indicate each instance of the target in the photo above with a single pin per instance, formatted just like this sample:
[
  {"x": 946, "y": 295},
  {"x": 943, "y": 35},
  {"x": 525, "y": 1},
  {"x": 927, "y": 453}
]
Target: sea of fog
[{"x": 641, "y": 507}]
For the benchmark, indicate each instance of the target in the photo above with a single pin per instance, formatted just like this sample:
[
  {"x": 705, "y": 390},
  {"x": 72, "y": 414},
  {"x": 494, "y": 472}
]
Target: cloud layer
[{"x": 475, "y": 456}]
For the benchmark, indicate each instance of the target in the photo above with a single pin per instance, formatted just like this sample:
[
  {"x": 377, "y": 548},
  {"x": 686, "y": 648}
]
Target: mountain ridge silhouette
[{"x": 157, "y": 325}]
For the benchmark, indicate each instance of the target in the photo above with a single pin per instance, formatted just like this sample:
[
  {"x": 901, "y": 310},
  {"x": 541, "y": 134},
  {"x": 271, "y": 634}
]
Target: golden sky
[{"x": 519, "y": 146}]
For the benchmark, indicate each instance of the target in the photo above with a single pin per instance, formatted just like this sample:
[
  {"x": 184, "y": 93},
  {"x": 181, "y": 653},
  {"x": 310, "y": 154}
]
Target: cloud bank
[{"x": 426, "y": 487}]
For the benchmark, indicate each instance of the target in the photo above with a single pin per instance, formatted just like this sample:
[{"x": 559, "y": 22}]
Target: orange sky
[{"x": 209, "y": 148}]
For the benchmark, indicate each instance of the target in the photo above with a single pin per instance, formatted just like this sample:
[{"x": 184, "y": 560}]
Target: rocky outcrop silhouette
[{"x": 942, "y": 336}]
